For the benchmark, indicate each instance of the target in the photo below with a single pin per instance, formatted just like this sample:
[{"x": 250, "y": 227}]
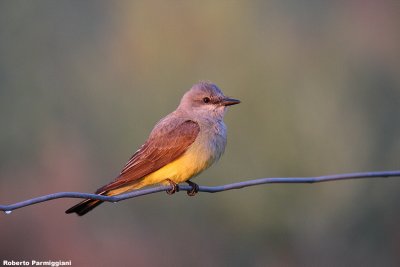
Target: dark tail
[
  {"x": 111, "y": 189},
  {"x": 85, "y": 206}
]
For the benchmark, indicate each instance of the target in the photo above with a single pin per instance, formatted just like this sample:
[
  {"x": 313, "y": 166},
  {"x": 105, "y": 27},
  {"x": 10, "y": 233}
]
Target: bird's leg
[
  {"x": 174, "y": 189},
  {"x": 194, "y": 190}
]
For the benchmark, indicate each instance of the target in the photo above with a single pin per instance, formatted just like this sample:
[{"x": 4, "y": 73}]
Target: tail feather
[
  {"x": 88, "y": 204},
  {"x": 84, "y": 207}
]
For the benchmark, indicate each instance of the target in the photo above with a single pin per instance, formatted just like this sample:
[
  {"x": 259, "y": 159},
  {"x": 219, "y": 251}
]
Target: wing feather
[{"x": 167, "y": 142}]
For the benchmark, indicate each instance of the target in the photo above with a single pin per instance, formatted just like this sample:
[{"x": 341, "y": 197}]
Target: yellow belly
[
  {"x": 202, "y": 153},
  {"x": 180, "y": 170}
]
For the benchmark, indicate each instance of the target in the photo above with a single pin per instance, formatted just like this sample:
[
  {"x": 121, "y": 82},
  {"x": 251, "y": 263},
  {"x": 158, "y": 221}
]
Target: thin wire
[{"x": 209, "y": 189}]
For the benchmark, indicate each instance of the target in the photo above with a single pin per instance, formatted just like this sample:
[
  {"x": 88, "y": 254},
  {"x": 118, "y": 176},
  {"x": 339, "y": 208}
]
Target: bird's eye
[{"x": 206, "y": 100}]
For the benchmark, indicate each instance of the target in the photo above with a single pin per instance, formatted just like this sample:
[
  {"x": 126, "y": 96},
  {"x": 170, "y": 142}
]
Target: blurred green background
[{"x": 83, "y": 82}]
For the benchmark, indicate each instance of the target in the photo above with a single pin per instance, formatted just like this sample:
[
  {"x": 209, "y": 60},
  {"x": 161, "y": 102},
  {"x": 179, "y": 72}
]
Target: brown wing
[{"x": 166, "y": 143}]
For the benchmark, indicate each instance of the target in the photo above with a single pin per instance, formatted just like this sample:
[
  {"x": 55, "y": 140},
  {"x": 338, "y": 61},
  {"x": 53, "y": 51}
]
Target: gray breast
[{"x": 216, "y": 132}]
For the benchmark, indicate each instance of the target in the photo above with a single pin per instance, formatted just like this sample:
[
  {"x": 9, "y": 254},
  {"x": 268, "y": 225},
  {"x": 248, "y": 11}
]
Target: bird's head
[{"x": 206, "y": 99}]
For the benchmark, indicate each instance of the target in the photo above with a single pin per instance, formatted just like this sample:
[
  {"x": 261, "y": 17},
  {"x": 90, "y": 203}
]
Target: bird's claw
[
  {"x": 174, "y": 189},
  {"x": 194, "y": 190}
]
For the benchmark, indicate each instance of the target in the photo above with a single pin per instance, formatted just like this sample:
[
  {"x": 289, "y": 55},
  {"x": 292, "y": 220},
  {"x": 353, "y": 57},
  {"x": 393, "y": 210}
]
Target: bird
[{"x": 181, "y": 145}]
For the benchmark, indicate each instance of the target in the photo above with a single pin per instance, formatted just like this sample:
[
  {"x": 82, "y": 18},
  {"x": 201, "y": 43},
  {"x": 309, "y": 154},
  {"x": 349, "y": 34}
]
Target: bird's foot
[
  {"x": 194, "y": 190},
  {"x": 174, "y": 189}
]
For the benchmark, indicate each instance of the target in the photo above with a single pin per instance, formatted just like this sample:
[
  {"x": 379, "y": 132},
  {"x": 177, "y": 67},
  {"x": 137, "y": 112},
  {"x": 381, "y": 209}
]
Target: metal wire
[{"x": 209, "y": 189}]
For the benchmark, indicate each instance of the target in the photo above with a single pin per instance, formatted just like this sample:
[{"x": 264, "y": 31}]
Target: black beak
[{"x": 229, "y": 101}]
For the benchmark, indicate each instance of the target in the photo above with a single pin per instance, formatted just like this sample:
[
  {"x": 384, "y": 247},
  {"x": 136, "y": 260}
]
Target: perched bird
[{"x": 181, "y": 145}]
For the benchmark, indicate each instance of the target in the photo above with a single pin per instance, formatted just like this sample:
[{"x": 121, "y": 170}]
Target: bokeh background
[{"x": 83, "y": 82}]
